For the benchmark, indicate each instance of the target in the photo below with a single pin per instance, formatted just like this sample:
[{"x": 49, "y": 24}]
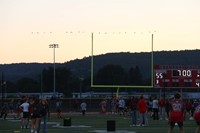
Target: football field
[{"x": 96, "y": 123}]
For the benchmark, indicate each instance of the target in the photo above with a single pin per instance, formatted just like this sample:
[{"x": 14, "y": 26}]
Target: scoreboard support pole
[
  {"x": 117, "y": 94},
  {"x": 160, "y": 93}
]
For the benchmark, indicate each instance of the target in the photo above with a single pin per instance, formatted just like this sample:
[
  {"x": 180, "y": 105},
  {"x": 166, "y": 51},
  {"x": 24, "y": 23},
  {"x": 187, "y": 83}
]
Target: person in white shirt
[
  {"x": 122, "y": 105},
  {"x": 25, "y": 109},
  {"x": 83, "y": 107},
  {"x": 155, "y": 108}
]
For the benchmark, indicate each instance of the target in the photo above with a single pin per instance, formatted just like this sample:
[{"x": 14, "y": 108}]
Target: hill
[{"x": 82, "y": 67}]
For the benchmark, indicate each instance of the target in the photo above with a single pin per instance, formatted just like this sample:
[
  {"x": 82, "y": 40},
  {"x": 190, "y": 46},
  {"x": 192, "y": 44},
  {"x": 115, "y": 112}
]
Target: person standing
[
  {"x": 142, "y": 107},
  {"x": 167, "y": 107},
  {"x": 45, "y": 114},
  {"x": 177, "y": 113},
  {"x": 150, "y": 106},
  {"x": 31, "y": 109},
  {"x": 133, "y": 108},
  {"x": 197, "y": 118},
  {"x": 117, "y": 105},
  {"x": 194, "y": 105},
  {"x": 155, "y": 109},
  {"x": 35, "y": 116},
  {"x": 188, "y": 106},
  {"x": 25, "y": 109},
  {"x": 122, "y": 105},
  {"x": 58, "y": 109},
  {"x": 112, "y": 103},
  {"x": 83, "y": 108},
  {"x": 4, "y": 110},
  {"x": 103, "y": 105},
  {"x": 162, "y": 108}
]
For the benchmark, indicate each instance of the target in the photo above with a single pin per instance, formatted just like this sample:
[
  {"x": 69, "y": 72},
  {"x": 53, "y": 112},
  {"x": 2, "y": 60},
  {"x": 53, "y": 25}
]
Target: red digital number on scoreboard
[{"x": 176, "y": 76}]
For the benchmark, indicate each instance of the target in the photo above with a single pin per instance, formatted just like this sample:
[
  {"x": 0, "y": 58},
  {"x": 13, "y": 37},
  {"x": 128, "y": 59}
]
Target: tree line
[{"x": 67, "y": 82}]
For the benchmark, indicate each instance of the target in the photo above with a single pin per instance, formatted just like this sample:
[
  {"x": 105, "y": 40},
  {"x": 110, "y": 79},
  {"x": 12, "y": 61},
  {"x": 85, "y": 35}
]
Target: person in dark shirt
[
  {"x": 4, "y": 110},
  {"x": 35, "y": 116},
  {"x": 45, "y": 113},
  {"x": 133, "y": 108}
]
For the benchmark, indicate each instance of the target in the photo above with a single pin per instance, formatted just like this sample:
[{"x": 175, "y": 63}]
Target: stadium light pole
[{"x": 54, "y": 69}]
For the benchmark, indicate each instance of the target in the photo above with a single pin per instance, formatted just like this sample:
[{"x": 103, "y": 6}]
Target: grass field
[{"x": 96, "y": 123}]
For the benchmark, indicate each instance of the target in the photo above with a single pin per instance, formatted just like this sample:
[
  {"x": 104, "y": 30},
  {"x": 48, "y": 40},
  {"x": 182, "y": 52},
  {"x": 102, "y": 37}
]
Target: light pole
[
  {"x": 3, "y": 88},
  {"x": 54, "y": 71},
  {"x": 41, "y": 85}
]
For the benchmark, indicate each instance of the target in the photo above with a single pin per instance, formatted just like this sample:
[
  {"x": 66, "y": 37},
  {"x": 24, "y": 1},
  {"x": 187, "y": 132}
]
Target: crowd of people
[
  {"x": 32, "y": 111},
  {"x": 172, "y": 109}
]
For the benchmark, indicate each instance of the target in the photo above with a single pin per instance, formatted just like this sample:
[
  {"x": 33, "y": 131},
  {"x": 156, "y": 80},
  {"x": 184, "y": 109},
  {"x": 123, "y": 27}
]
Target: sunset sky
[{"x": 27, "y": 27}]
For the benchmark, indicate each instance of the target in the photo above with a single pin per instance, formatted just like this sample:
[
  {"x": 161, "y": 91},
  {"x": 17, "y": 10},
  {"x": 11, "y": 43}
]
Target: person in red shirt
[
  {"x": 142, "y": 107},
  {"x": 189, "y": 109},
  {"x": 177, "y": 113},
  {"x": 103, "y": 106},
  {"x": 162, "y": 108}
]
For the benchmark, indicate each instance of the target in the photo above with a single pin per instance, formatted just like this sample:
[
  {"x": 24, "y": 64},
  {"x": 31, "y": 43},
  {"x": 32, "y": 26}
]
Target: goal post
[{"x": 120, "y": 86}]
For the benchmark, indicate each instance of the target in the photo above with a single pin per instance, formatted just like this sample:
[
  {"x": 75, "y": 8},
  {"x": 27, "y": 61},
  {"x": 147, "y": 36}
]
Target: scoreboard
[{"x": 176, "y": 76}]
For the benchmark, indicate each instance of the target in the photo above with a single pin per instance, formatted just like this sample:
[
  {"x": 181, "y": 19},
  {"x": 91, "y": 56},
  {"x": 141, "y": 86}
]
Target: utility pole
[{"x": 2, "y": 88}]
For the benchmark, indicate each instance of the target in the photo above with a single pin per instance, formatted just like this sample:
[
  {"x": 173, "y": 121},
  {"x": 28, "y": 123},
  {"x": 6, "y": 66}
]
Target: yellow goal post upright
[{"x": 120, "y": 86}]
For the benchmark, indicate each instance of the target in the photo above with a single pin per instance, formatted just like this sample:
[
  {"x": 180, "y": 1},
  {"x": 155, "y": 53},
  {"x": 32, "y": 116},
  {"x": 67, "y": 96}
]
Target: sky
[{"x": 28, "y": 27}]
